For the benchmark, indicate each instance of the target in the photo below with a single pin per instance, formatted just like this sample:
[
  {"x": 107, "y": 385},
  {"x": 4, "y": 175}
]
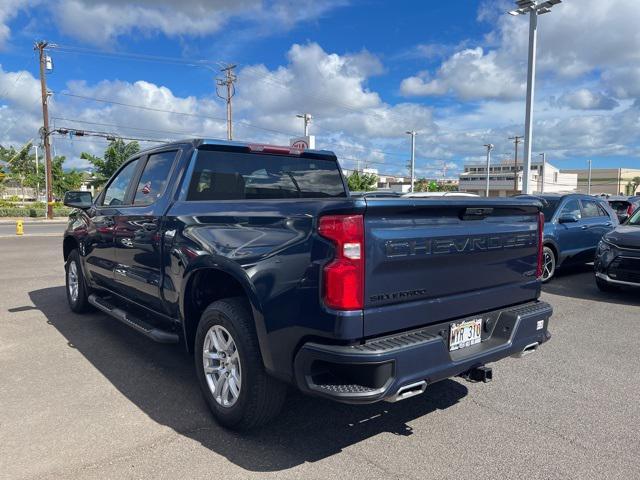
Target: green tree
[
  {"x": 115, "y": 154},
  {"x": 362, "y": 182},
  {"x": 21, "y": 165},
  {"x": 635, "y": 183},
  {"x": 63, "y": 181}
]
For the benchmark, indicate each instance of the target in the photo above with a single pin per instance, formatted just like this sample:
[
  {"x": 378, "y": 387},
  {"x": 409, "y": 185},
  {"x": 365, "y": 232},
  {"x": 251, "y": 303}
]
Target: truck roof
[{"x": 198, "y": 142}]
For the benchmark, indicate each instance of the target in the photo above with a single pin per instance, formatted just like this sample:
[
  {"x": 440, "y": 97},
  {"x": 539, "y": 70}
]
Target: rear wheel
[
  {"x": 605, "y": 286},
  {"x": 548, "y": 264},
  {"x": 229, "y": 367},
  {"x": 77, "y": 291}
]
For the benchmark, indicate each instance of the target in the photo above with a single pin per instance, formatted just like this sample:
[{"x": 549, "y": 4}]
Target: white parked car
[{"x": 439, "y": 194}]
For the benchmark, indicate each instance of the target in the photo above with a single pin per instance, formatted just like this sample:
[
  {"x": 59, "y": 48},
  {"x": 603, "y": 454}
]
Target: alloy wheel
[
  {"x": 72, "y": 277},
  {"x": 548, "y": 264},
  {"x": 222, "y": 368}
]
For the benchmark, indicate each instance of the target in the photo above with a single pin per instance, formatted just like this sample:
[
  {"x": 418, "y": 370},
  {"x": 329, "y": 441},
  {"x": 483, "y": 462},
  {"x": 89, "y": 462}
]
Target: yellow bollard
[{"x": 19, "y": 228}]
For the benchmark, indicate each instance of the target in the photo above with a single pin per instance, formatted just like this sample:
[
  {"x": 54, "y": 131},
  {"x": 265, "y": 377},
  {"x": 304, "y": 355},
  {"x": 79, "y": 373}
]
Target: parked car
[
  {"x": 617, "y": 261},
  {"x": 257, "y": 259},
  {"x": 574, "y": 224},
  {"x": 624, "y": 206},
  {"x": 438, "y": 194}
]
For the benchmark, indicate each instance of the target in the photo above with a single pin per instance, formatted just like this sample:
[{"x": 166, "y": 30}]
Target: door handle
[
  {"x": 609, "y": 224},
  {"x": 584, "y": 227}
]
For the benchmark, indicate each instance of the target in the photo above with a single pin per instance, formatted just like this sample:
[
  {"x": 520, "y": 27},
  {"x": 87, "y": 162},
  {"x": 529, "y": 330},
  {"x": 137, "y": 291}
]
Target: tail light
[
  {"x": 540, "y": 247},
  {"x": 343, "y": 277}
]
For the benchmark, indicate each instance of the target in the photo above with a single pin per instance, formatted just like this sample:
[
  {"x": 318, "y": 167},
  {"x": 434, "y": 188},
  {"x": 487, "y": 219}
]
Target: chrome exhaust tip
[
  {"x": 532, "y": 347},
  {"x": 408, "y": 391}
]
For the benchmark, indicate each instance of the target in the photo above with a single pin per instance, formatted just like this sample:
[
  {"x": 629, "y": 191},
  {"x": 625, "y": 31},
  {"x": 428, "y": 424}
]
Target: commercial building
[
  {"x": 505, "y": 181},
  {"x": 610, "y": 181}
]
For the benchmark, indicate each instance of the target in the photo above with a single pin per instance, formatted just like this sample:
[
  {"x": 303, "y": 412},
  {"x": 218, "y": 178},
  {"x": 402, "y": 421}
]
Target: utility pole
[
  {"x": 489, "y": 148},
  {"x": 543, "y": 172},
  {"x": 413, "y": 134},
  {"x": 517, "y": 140},
  {"x": 228, "y": 82},
  {"x": 307, "y": 121},
  {"x": 40, "y": 47},
  {"x": 589, "y": 181}
]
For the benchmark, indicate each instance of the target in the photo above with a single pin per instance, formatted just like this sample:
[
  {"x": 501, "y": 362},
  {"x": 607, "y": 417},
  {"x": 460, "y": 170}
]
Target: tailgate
[{"x": 433, "y": 260}]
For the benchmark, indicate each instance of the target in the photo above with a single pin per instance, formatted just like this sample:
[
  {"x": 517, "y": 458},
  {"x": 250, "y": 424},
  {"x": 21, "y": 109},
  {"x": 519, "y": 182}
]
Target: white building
[{"x": 503, "y": 184}]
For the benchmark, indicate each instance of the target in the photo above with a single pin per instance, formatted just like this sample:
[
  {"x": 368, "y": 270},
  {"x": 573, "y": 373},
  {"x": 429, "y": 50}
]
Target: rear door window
[
  {"x": 234, "y": 175},
  {"x": 591, "y": 209},
  {"x": 154, "y": 178}
]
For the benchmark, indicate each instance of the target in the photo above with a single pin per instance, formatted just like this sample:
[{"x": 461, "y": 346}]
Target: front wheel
[
  {"x": 77, "y": 291},
  {"x": 548, "y": 264},
  {"x": 229, "y": 367}
]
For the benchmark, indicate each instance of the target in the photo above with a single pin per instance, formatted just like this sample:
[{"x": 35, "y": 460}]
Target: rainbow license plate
[{"x": 465, "y": 334}]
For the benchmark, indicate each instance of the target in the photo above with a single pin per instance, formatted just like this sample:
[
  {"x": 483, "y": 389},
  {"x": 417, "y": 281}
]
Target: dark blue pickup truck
[{"x": 258, "y": 261}]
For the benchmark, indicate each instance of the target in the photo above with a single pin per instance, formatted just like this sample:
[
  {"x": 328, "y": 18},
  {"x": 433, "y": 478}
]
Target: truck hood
[{"x": 625, "y": 236}]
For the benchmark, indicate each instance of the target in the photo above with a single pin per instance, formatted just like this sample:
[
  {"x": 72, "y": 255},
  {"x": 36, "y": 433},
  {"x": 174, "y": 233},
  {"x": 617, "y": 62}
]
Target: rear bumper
[{"x": 378, "y": 368}]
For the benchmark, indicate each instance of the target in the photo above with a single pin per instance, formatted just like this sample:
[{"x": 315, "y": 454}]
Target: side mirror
[
  {"x": 568, "y": 218},
  {"x": 81, "y": 200}
]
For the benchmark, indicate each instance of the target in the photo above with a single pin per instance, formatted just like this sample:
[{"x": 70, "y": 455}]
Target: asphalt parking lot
[{"x": 86, "y": 397}]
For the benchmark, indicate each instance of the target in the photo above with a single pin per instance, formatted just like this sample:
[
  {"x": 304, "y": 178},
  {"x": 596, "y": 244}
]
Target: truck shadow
[
  {"x": 579, "y": 282},
  {"x": 160, "y": 380}
]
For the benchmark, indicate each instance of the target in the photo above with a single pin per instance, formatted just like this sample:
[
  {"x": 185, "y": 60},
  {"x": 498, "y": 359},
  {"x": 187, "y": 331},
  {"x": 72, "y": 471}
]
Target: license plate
[{"x": 465, "y": 334}]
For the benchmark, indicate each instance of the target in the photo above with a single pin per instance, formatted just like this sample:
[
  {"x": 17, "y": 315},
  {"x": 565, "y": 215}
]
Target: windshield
[{"x": 550, "y": 207}]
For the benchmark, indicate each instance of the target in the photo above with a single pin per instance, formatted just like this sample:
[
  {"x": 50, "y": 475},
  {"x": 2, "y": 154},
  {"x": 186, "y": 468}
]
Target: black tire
[
  {"x": 260, "y": 396},
  {"x": 79, "y": 304},
  {"x": 549, "y": 264},
  {"x": 605, "y": 286}
]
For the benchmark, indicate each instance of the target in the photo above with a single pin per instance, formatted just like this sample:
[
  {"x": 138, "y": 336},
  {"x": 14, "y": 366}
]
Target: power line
[
  {"x": 129, "y": 127},
  {"x": 188, "y": 114},
  {"x": 108, "y": 136},
  {"x": 135, "y": 56}
]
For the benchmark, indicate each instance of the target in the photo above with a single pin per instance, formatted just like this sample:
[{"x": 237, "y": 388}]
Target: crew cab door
[
  {"x": 99, "y": 259},
  {"x": 138, "y": 239},
  {"x": 573, "y": 237},
  {"x": 597, "y": 220}
]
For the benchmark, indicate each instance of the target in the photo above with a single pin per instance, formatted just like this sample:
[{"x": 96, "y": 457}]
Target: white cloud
[
  {"x": 9, "y": 9},
  {"x": 577, "y": 38},
  {"x": 101, "y": 21},
  {"x": 584, "y": 99},
  {"x": 469, "y": 74}
]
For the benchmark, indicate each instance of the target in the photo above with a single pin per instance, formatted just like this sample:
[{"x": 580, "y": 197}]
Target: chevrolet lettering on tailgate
[{"x": 461, "y": 244}]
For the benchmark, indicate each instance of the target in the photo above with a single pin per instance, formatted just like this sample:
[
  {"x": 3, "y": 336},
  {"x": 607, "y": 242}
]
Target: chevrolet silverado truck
[{"x": 258, "y": 261}]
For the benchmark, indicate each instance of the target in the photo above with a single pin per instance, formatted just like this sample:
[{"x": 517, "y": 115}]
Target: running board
[{"x": 155, "y": 334}]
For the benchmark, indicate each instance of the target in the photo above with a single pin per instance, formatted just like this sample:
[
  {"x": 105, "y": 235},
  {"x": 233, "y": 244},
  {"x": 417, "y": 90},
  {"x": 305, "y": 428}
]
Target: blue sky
[{"x": 367, "y": 70}]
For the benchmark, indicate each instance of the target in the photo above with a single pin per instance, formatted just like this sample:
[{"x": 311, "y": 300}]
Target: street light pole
[
  {"x": 589, "y": 184},
  {"x": 531, "y": 78},
  {"x": 543, "y": 171},
  {"x": 307, "y": 120},
  {"x": 489, "y": 148},
  {"x": 533, "y": 8},
  {"x": 413, "y": 134}
]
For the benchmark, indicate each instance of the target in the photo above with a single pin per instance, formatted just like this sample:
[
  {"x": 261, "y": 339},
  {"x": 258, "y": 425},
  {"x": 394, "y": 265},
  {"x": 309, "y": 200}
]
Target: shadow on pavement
[
  {"x": 579, "y": 282},
  {"x": 160, "y": 380}
]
